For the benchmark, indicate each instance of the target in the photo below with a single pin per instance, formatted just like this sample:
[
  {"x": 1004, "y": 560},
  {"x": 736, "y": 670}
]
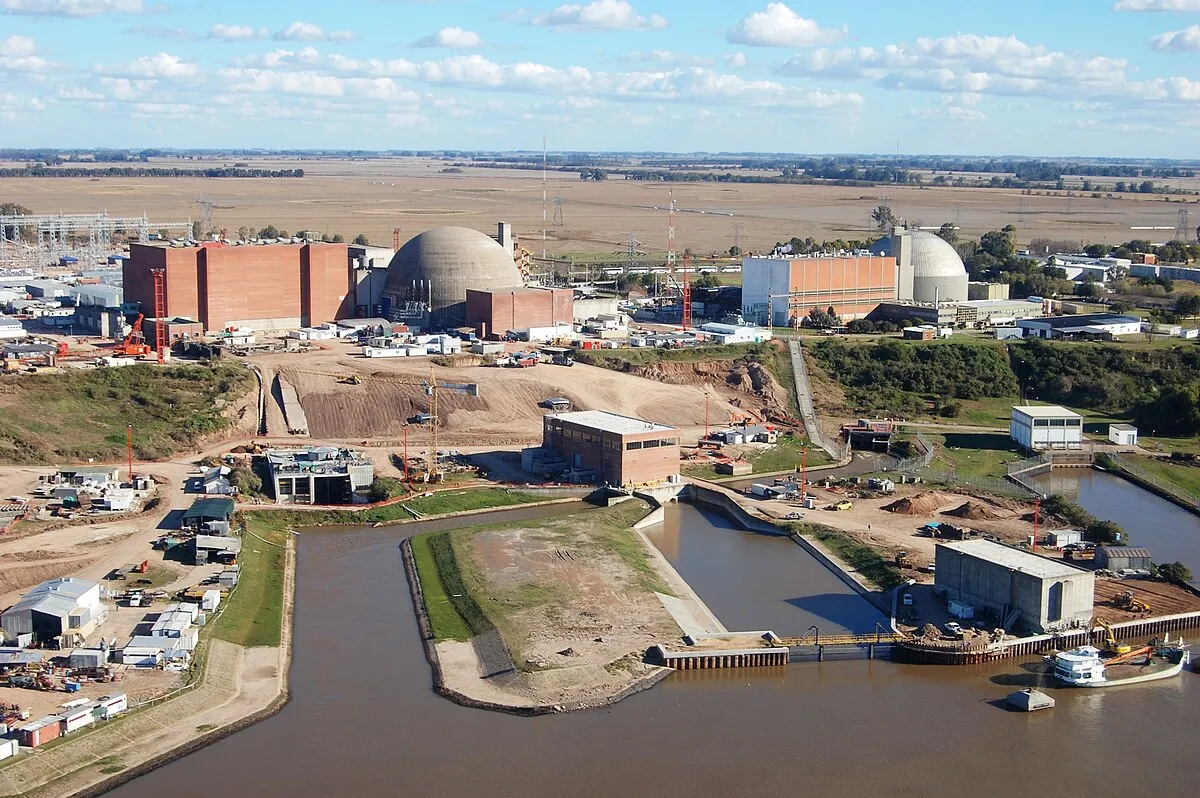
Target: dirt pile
[
  {"x": 764, "y": 395},
  {"x": 920, "y": 504},
  {"x": 977, "y": 511}
]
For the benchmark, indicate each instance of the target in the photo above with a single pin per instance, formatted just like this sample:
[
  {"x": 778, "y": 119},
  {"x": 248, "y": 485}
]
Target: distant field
[{"x": 375, "y": 196}]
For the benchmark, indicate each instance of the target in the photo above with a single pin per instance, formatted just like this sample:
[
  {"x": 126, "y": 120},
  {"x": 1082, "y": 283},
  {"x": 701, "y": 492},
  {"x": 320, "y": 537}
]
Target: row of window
[
  {"x": 1058, "y": 422},
  {"x": 632, "y": 445}
]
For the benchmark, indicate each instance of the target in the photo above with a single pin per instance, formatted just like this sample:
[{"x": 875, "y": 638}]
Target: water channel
[
  {"x": 364, "y": 722},
  {"x": 1167, "y": 530}
]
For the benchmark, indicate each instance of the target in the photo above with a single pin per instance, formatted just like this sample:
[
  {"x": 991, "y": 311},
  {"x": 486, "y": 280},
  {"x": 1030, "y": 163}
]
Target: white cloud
[
  {"x": 664, "y": 57},
  {"x": 735, "y": 60},
  {"x": 308, "y": 32},
  {"x": 780, "y": 26},
  {"x": 1180, "y": 41},
  {"x": 72, "y": 8},
  {"x": 599, "y": 15},
  {"x": 1157, "y": 5},
  {"x": 150, "y": 67},
  {"x": 236, "y": 33},
  {"x": 456, "y": 38},
  {"x": 19, "y": 54}
]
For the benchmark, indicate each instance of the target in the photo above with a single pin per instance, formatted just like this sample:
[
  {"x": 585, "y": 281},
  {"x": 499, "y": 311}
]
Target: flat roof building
[
  {"x": 792, "y": 286},
  {"x": 62, "y": 611},
  {"x": 1123, "y": 434},
  {"x": 320, "y": 475},
  {"x": 1014, "y": 587},
  {"x": 1090, "y": 326},
  {"x": 608, "y": 448},
  {"x": 1039, "y": 427},
  {"x": 494, "y": 311}
]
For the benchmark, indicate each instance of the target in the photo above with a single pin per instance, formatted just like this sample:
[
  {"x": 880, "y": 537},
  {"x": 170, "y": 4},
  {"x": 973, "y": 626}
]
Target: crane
[
  {"x": 134, "y": 344},
  {"x": 686, "y": 293}
]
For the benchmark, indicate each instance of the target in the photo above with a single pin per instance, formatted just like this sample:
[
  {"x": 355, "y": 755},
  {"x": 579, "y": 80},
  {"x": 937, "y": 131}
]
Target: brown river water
[{"x": 363, "y": 721}]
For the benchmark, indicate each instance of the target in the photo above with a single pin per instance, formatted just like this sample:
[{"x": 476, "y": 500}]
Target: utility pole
[
  {"x": 405, "y": 464},
  {"x": 129, "y": 450},
  {"x": 1037, "y": 506}
]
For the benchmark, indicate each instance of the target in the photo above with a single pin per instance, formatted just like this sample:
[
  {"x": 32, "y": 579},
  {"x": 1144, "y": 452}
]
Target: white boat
[{"x": 1087, "y": 667}]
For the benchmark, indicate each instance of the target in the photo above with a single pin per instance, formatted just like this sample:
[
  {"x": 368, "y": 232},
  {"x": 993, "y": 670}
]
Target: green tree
[
  {"x": 197, "y": 231},
  {"x": 361, "y": 240},
  {"x": 270, "y": 231},
  {"x": 1188, "y": 305},
  {"x": 1096, "y": 250},
  {"x": 999, "y": 244},
  {"x": 243, "y": 233},
  {"x": 1175, "y": 572},
  {"x": 885, "y": 220},
  {"x": 948, "y": 232},
  {"x": 735, "y": 251}
]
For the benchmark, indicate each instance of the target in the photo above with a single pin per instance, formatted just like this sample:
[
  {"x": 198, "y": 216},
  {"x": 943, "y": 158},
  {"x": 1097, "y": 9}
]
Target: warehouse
[
  {"x": 1017, "y": 588},
  {"x": 267, "y": 287},
  {"x": 608, "y": 448},
  {"x": 1122, "y": 558},
  {"x": 203, "y": 513},
  {"x": 494, "y": 311},
  {"x": 1038, "y": 427},
  {"x": 1092, "y": 326},
  {"x": 58, "y": 611},
  {"x": 321, "y": 475}
]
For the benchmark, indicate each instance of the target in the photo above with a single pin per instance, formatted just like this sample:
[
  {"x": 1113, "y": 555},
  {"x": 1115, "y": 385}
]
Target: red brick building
[
  {"x": 498, "y": 310},
  {"x": 619, "y": 449},
  {"x": 262, "y": 287}
]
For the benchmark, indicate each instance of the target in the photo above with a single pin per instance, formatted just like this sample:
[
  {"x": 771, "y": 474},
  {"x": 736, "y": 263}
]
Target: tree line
[{"x": 145, "y": 171}]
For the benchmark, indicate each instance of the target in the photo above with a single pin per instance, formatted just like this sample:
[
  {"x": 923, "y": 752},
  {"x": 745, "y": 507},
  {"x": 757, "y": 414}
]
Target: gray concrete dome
[
  {"x": 438, "y": 266},
  {"x": 937, "y": 272}
]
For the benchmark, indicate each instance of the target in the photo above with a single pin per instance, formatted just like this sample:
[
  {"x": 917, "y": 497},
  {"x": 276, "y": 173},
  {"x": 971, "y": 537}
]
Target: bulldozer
[
  {"x": 902, "y": 559},
  {"x": 350, "y": 379},
  {"x": 1127, "y": 601}
]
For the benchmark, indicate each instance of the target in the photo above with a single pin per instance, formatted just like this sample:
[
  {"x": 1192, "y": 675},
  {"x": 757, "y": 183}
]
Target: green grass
[
  {"x": 449, "y": 501},
  {"x": 1184, "y": 478},
  {"x": 444, "y": 620},
  {"x": 976, "y": 454},
  {"x": 617, "y": 359},
  {"x": 785, "y": 455},
  {"x": 82, "y": 414},
  {"x": 613, "y": 532},
  {"x": 880, "y": 571},
  {"x": 253, "y": 615}
]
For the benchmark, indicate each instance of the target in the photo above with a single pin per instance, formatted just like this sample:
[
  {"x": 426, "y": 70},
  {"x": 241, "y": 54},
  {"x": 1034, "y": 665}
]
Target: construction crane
[
  {"x": 686, "y": 293},
  {"x": 160, "y": 313},
  {"x": 134, "y": 344}
]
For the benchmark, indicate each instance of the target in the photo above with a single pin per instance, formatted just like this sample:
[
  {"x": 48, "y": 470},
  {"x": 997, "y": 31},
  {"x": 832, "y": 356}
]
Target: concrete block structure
[
  {"x": 321, "y": 475},
  {"x": 616, "y": 450},
  {"x": 495, "y": 311},
  {"x": 1016, "y": 588},
  {"x": 1038, "y": 427},
  {"x": 981, "y": 290},
  {"x": 1120, "y": 558},
  {"x": 1123, "y": 434},
  {"x": 853, "y": 285},
  {"x": 268, "y": 287}
]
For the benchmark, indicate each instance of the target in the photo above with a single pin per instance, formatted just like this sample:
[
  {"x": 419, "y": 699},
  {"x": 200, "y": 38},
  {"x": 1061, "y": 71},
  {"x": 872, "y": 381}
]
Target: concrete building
[
  {"x": 1123, "y": 434},
  {"x": 204, "y": 512},
  {"x": 1016, "y": 588},
  {"x": 611, "y": 449},
  {"x": 1121, "y": 558},
  {"x": 1092, "y": 326},
  {"x": 1064, "y": 537},
  {"x": 58, "y": 611},
  {"x": 430, "y": 275},
  {"x": 369, "y": 265},
  {"x": 320, "y": 475},
  {"x": 494, "y": 311},
  {"x": 980, "y": 290},
  {"x": 735, "y": 334},
  {"x": 12, "y": 329},
  {"x": 264, "y": 287},
  {"x": 1046, "y": 427},
  {"x": 1154, "y": 270},
  {"x": 852, "y": 284},
  {"x": 928, "y": 269}
]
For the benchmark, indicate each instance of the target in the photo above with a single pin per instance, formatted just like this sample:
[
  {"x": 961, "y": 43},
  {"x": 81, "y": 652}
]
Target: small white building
[
  {"x": 1123, "y": 434},
  {"x": 11, "y": 329},
  {"x": 1064, "y": 537},
  {"x": 1046, "y": 427},
  {"x": 735, "y": 334},
  {"x": 118, "y": 500},
  {"x": 1086, "y": 326}
]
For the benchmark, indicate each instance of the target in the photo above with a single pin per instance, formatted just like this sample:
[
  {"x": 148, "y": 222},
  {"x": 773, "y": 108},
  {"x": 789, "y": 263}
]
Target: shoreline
[{"x": 246, "y": 703}]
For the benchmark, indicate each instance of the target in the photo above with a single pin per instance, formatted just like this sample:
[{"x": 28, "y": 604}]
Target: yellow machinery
[
  {"x": 1110, "y": 641},
  {"x": 1126, "y": 601},
  {"x": 350, "y": 379}
]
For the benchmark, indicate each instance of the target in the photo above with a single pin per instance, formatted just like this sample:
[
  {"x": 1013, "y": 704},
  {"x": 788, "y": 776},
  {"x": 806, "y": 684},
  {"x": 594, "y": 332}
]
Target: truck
[{"x": 562, "y": 360}]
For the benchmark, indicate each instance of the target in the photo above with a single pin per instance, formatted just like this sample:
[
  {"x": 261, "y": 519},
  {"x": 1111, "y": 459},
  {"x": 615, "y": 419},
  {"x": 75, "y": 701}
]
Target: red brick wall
[
  {"x": 607, "y": 454},
  {"x": 243, "y": 283},
  {"x": 518, "y": 309},
  {"x": 325, "y": 284},
  {"x": 183, "y": 289},
  {"x": 853, "y": 286}
]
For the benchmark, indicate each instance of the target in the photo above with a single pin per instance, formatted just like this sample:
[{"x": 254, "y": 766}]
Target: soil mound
[
  {"x": 978, "y": 512},
  {"x": 920, "y": 504}
]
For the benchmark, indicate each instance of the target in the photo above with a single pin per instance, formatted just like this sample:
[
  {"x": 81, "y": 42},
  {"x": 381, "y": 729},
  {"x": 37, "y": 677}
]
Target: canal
[
  {"x": 363, "y": 721},
  {"x": 757, "y": 582},
  {"x": 1167, "y": 530}
]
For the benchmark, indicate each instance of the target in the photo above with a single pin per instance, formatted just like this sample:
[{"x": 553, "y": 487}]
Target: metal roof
[
  {"x": 1124, "y": 551},
  {"x": 611, "y": 422},
  {"x": 1123, "y": 427},
  {"x": 1080, "y": 321},
  {"x": 20, "y": 656},
  {"x": 1045, "y": 411},
  {"x": 1013, "y": 559},
  {"x": 218, "y": 543},
  {"x": 217, "y": 507}
]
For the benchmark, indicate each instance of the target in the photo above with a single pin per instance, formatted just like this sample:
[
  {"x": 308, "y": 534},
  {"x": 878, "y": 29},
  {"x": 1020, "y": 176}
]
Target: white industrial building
[
  {"x": 1046, "y": 427},
  {"x": 58, "y": 611},
  {"x": 735, "y": 334},
  {"x": 1123, "y": 434},
  {"x": 11, "y": 329},
  {"x": 1016, "y": 588},
  {"x": 1086, "y": 326}
]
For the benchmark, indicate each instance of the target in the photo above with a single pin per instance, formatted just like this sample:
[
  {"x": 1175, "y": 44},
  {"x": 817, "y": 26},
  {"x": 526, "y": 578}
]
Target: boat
[
  {"x": 1087, "y": 666},
  {"x": 1030, "y": 700}
]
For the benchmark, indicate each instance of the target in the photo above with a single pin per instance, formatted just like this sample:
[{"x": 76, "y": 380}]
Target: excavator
[
  {"x": 1110, "y": 641},
  {"x": 134, "y": 344},
  {"x": 350, "y": 379}
]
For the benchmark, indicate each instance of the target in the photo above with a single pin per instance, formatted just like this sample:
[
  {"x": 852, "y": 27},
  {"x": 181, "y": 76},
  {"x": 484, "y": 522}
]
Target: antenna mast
[{"x": 543, "y": 198}]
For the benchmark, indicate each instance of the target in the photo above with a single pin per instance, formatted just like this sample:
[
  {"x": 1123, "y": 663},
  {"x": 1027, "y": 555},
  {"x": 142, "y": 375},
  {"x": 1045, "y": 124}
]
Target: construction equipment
[
  {"x": 1127, "y": 601},
  {"x": 134, "y": 344},
  {"x": 1110, "y": 640},
  {"x": 350, "y": 379},
  {"x": 902, "y": 559},
  {"x": 160, "y": 310}
]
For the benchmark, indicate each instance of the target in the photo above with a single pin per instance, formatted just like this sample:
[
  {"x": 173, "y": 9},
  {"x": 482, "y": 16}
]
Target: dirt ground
[
  {"x": 1163, "y": 598},
  {"x": 375, "y": 196}
]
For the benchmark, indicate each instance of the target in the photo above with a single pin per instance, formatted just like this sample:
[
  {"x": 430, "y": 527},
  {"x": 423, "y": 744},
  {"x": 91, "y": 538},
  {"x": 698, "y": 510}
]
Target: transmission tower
[
  {"x": 737, "y": 233},
  {"x": 632, "y": 249},
  {"x": 1181, "y": 225},
  {"x": 558, "y": 211},
  {"x": 671, "y": 232},
  {"x": 206, "y": 217}
]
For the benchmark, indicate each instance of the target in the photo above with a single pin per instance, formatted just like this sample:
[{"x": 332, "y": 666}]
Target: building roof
[
  {"x": 1081, "y": 321},
  {"x": 1045, "y": 411},
  {"x": 1123, "y": 427},
  {"x": 219, "y": 543},
  {"x": 57, "y": 597},
  {"x": 20, "y": 656},
  {"x": 931, "y": 255},
  {"x": 611, "y": 422},
  {"x": 439, "y": 265},
  {"x": 1014, "y": 559},
  {"x": 216, "y": 507},
  {"x": 1124, "y": 551}
]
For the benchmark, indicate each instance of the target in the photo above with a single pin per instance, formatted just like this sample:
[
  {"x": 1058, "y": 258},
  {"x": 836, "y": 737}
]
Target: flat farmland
[{"x": 376, "y": 195}]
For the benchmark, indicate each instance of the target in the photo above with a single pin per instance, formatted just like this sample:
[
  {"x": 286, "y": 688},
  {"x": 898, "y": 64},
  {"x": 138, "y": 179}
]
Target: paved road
[{"x": 804, "y": 398}]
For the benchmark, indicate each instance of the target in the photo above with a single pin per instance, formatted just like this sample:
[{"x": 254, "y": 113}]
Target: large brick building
[
  {"x": 853, "y": 285},
  {"x": 263, "y": 287},
  {"x": 618, "y": 450},
  {"x": 498, "y": 310}
]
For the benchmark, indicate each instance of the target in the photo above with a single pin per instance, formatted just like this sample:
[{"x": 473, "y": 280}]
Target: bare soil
[{"x": 1163, "y": 598}]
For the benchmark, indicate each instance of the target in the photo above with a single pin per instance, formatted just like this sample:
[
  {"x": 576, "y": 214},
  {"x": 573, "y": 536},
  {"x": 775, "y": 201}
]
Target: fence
[{"x": 1156, "y": 483}]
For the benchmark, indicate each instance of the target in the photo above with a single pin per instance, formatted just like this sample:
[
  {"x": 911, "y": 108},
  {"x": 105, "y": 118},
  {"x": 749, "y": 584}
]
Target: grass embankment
[
  {"x": 449, "y": 501},
  {"x": 461, "y": 600},
  {"x": 785, "y": 455},
  {"x": 1181, "y": 478},
  {"x": 253, "y": 615},
  {"x": 874, "y": 567},
  {"x": 975, "y": 454},
  {"x": 620, "y": 359},
  {"x": 82, "y": 414}
]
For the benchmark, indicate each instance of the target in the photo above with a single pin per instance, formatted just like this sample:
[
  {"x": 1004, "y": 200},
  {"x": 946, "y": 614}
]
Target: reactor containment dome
[
  {"x": 930, "y": 270},
  {"x": 428, "y": 277}
]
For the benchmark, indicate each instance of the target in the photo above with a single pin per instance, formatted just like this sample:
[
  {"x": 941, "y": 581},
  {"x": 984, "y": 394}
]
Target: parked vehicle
[{"x": 907, "y": 600}]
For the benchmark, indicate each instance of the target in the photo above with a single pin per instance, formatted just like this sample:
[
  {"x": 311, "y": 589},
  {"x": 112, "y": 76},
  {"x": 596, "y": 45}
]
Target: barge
[{"x": 1087, "y": 666}]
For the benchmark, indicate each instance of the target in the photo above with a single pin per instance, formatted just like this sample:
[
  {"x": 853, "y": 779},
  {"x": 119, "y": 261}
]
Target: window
[
  {"x": 1058, "y": 422},
  {"x": 651, "y": 444},
  {"x": 632, "y": 445},
  {"x": 1041, "y": 422},
  {"x": 1074, "y": 422}
]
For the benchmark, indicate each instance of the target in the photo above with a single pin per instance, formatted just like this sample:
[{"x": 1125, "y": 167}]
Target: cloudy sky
[{"x": 1034, "y": 77}]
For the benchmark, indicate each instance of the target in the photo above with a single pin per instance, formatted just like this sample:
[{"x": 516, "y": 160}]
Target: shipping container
[
  {"x": 39, "y": 732},
  {"x": 78, "y": 717},
  {"x": 110, "y": 705},
  {"x": 8, "y": 748}
]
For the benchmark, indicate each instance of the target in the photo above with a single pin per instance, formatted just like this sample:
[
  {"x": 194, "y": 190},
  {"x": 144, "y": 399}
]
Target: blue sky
[{"x": 1115, "y": 78}]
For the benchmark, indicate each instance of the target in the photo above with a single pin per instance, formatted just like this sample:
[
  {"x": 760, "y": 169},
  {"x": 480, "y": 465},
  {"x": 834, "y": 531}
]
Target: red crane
[
  {"x": 160, "y": 314},
  {"x": 134, "y": 344},
  {"x": 687, "y": 291}
]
